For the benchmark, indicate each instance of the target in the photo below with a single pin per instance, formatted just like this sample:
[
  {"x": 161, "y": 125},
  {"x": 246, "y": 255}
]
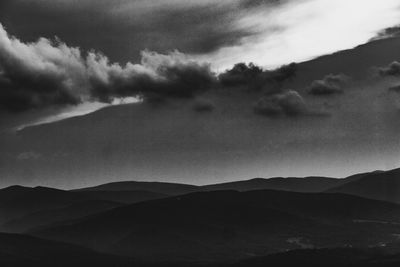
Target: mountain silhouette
[
  {"x": 154, "y": 187},
  {"x": 306, "y": 184}
]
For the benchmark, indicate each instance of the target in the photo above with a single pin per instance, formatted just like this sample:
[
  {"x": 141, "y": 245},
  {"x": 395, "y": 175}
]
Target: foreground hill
[
  {"x": 21, "y": 250},
  {"x": 376, "y": 185},
  {"x": 227, "y": 225},
  {"x": 26, "y": 251}
]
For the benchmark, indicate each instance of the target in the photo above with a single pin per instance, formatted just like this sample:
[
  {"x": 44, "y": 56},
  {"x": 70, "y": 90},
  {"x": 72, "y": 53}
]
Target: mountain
[
  {"x": 376, "y": 185},
  {"x": 158, "y": 190},
  {"x": 306, "y": 184},
  {"x": 162, "y": 189},
  {"x": 23, "y": 208},
  {"x": 17, "y": 201},
  {"x": 125, "y": 196},
  {"x": 228, "y": 225}
]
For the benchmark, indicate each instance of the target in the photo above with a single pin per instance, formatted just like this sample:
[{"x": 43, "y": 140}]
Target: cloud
[
  {"x": 254, "y": 77},
  {"x": 289, "y": 103},
  {"x": 240, "y": 74},
  {"x": 172, "y": 75},
  {"x": 46, "y": 73},
  {"x": 392, "y": 70},
  {"x": 388, "y": 33},
  {"x": 329, "y": 85},
  {"x": 38, "y": 74}
]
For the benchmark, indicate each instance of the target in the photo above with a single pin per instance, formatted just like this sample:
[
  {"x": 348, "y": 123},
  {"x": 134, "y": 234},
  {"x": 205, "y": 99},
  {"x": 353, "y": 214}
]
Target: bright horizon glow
[{"x": 296, "y": 32}]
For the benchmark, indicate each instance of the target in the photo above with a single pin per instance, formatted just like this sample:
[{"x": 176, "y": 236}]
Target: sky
[{"x": 131, "y": 59}]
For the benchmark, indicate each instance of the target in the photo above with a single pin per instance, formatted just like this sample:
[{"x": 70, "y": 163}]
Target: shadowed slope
[
  {"x": 376, "y": 185},
  {"x": 226, "y": 225}
]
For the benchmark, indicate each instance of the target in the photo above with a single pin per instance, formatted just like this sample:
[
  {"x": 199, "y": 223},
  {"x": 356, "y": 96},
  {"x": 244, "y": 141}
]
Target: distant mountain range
[
  {"x": 376, "y": 185},
  {"x": 221, "y": 222},
  {"x": 26, "y": 208}
]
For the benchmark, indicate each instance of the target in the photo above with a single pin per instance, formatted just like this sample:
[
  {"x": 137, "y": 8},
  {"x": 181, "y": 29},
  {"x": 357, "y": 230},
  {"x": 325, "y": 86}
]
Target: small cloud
[
  {"x": 29, "y": 155},
  {"x": 289, "y": 103},
  {"x": 329, "y": 85},
  {"x": 240, "y": 74},
  {"x": 203, "y": 105},
  {"x": 392, "y": 70}
]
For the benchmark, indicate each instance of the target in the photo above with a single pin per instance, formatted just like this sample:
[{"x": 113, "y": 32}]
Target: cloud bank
[{"x": 45, "y": 73}]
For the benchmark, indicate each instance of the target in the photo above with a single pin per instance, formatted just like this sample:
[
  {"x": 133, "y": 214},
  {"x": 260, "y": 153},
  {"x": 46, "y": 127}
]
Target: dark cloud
[
  {"x": 46, "y": 73},
  {"x": 121, "y": 29},
  {"x": 203, "y": 105},
  {"x": 158, "y": 75},
  {"x": 289, "y": 103},
  {"x": 329, "y": 85},
  {"x": 255, "y": 78},
  {"x": 38, "y": 74},
  {"x": 392, "y": 70},
  {"x": 241, "y": 74},
  {"x": 388, "y": 33},
  {"x": 258, "y": 3}
]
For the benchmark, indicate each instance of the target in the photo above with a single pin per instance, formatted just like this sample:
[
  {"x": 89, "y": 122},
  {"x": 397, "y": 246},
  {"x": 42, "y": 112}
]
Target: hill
[
  {"x": 376, "y": 185},
  {"x": 228, "y": 225}
]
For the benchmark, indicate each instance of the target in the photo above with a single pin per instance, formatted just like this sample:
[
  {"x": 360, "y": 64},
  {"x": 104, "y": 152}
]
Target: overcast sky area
[{"x": 155, "y": 72}]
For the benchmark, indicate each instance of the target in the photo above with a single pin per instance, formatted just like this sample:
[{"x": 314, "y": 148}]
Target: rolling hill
[
  {"x": 306, "y": 184},
  {"x": 376, "y": 185},
  {"x": 228, "y": 225},
  {"x": 154, "y": 187},
  {"x": 23, "y": 208}
]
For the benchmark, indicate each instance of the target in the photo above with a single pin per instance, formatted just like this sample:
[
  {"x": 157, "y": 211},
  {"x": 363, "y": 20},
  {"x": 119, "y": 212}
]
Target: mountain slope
[
  {"x": 376, "y": 185},
  {"x": 154, "y": 187},
  {"x": 125, "y": 196},
  {"x": 306, "y": 184},
  {"x": 23, "y": 208},
  {"x": 47, "y": 217},
  {"x": 18, "y": 201},
  {"x": 226, "y": 225}
]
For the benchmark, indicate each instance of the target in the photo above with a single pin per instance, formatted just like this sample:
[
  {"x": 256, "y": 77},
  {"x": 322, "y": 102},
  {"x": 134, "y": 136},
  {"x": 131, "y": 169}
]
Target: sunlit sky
[{"x": 301, "y": 30}]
